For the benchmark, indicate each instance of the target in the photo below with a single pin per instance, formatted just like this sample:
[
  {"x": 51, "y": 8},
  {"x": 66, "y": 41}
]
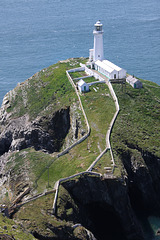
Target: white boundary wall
[
  {"x": 108, "y": 145},
  {"x": 68, "y": 178}
]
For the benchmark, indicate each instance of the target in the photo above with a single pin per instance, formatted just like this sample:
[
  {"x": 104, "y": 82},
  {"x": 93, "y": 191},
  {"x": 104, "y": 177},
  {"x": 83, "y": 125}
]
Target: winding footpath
[
  {"x": 100, "y": 77},
  {"x": 108, "y": 145}
]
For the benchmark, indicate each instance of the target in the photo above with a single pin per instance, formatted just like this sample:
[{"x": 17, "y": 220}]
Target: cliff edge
[{"x": 40, "y": 118}]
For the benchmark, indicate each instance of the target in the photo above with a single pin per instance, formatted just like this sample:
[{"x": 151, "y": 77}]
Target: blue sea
[{"x": 37, "y": 33}]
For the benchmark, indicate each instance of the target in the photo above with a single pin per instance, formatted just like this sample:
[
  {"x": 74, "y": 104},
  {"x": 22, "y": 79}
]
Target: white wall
[
  {"x": 122, "y": 73},
  {"x": 91, "y": 54},
  {"x": 79, "y": 69}
]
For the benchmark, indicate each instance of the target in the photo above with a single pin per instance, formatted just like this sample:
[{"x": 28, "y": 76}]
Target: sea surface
[{"x": 37, "y": 33}]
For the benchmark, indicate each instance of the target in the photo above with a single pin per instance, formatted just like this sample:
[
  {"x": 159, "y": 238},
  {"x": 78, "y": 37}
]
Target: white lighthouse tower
[
  {"x": 98, "y": 42},
  {"x": 96, "y": 57},
  {"x": 97, "y": 52}
]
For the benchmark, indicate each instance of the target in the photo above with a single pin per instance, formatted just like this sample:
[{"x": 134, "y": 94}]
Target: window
[{"x": 98, "y": 28}]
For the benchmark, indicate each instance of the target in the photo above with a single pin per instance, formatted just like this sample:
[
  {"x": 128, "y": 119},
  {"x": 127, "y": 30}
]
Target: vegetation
[
  {"x": 44, "y": 169},
  {"x": 80, "y": 157},
  {"x": 78, "y": 74},
  {"x": 137, "y": 128},
  {"x": 36, "y": 216},
  {"x": 9, "y": 228},
  {"x": 103, "y": 163},
  {"x": 136, "y": 131},
  {"x": 32, "y": 162},
  {"x": 47, "y": 90},
  {"x": 90, "y": 79}
]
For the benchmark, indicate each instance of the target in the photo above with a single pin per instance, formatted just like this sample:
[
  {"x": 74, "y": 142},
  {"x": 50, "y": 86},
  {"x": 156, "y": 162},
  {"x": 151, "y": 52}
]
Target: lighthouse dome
[
  {"x": 98, "y": 23},
  {"x": 98, "y": 26}
]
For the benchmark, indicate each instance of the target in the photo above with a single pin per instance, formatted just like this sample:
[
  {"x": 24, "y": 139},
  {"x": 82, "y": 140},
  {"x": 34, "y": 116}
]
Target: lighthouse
[
  {"x": 97, "y": 52},
  {"x": 97, "y": 60},
  {"x": 98, "y": 42}
]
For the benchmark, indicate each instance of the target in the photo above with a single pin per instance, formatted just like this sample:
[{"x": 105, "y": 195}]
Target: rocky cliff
[
  {"x": 39, "y": 118},
  {"x": 44, "y": 133},
  {"x": 40, "y": 114},
  {"x": 101, "y": 205}
]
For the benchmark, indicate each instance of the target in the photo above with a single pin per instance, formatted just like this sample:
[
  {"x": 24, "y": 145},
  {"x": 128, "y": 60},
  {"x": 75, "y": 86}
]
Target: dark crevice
[
  {"x": 47, "y": 134},
  {"x": 76, "y": 132},
  {"x": 103, "y": 221}
]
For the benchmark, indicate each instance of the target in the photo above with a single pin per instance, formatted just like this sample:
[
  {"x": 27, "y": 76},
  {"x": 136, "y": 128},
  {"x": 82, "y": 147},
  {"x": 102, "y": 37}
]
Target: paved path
[{"x": 108, "y": 145}]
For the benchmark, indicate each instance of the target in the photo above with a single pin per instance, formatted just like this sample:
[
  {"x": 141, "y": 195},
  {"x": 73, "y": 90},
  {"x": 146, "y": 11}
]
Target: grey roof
[
  {"x": 104, "y": 66},
  {"x": 132, "y": 79},
  {"x": 81, "y": 83}
]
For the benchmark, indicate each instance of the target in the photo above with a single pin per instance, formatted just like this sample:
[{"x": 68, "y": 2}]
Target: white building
[
  {"x": 96, "y": 57},
  {"x": 97, "y": 52},
  {"x": 110, "y": 70},
  {"x": 83, "y": 86},
  {"x": 134, "y": 82}
]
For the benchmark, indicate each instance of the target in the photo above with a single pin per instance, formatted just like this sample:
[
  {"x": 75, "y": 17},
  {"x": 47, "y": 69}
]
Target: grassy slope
[
  {"x": 47, "y": 90},
  {"x": 79, "y": 158},
  {"x": 138, "y": 123},
  {"x": 37, "y": 214},
  {"x": 9, "y": 227}
]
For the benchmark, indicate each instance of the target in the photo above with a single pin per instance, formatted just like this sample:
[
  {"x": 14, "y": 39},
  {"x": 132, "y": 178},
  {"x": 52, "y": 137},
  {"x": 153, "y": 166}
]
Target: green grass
[
  {"x": 9, "y": 227},
  {"x": 30, "y": 161},
  {"x": 105, "y": 161},
  {"x": 49, "y": 89},
  {"x": 137, "y": 128},
  {"x": 90, "y": 79},
  {"x": 37, "y": 214},
  {"x": 78, "y": 74},
  {"x": 81, "y": 156}
]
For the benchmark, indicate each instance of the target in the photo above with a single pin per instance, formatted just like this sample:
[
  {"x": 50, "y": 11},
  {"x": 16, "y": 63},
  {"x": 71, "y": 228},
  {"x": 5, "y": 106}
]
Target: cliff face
[
  {"x": 43, "y": 113},
  {"x": 135, "y": 143},
  {"x": 143, "y": 181},
  {"x": 112, "y": 207},
  {"x": 36, "y": 115},
  {"x": 101, "y": 205},
  {"x": 46, "y": 133}
]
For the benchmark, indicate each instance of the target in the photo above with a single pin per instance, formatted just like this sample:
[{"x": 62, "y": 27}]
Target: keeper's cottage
[{"x": 96, "y": 57}]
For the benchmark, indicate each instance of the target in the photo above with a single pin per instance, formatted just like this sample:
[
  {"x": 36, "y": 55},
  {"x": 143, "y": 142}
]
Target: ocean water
[{"x": 36, "y": 34}]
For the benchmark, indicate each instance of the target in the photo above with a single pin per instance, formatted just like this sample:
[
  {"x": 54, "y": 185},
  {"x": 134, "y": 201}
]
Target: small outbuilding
[
  {"x": 83, "y": 86},
  {"x": 134, "y": 82}
]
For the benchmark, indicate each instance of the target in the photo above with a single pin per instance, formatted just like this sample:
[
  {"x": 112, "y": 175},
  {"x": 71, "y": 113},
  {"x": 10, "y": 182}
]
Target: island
[{"x": 68, "y": 171}]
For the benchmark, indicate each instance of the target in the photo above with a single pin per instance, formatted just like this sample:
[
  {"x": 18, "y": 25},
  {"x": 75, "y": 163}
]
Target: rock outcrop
[
  {"x": 46, "y": 133},
  {"x": 88, "y": 207},
  {"x": 143, "y": 181},
  {"x": 101, "y": 205}
]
